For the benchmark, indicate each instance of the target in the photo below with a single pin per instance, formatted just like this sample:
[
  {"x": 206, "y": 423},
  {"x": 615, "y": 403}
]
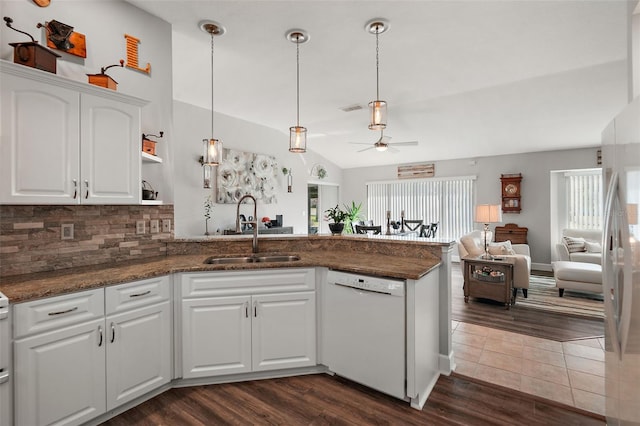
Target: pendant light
[
  {"x": 212, "y": 147},
  {"x": 377, "y": 108},
  {"x": 297, "y": 134}
]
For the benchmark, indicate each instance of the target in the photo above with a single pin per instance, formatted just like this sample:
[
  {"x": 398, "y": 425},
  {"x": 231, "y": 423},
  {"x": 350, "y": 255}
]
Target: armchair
[{"x": 472, "y": 244}]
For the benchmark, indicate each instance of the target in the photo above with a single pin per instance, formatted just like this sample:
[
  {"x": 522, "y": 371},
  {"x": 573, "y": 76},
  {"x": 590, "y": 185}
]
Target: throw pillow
[
  {"x": 574, "y": 245},
  {"x": 503, "y": 247},
  {"x": 593, "y": 247}
]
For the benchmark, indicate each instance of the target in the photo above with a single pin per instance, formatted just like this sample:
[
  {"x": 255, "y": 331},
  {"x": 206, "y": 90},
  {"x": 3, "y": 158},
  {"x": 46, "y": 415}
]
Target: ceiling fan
[{"x": 383, "y": 144}]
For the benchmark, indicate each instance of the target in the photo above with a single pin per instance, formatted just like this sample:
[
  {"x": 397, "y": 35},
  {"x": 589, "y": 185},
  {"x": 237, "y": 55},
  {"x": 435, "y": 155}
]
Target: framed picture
[{"x": 241, "y": 173}]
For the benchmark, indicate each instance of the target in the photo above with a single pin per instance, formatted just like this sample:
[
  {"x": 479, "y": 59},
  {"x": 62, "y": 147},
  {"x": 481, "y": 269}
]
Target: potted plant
[
  {"x": 353, "y": 214},
  {"x": 338, "y": 216}
]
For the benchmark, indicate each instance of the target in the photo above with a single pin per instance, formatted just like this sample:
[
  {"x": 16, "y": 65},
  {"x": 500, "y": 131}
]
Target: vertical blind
[
  {"x": 584, "y": 200},
  {"x": 447, "y": 201}
]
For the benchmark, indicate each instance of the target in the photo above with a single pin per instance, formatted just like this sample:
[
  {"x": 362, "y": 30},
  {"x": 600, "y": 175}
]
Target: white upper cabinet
[{"x": 66, "y": 142}]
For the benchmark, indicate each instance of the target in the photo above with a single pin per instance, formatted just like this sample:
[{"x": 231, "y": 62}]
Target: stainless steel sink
[{"x": 256, "y": 258}]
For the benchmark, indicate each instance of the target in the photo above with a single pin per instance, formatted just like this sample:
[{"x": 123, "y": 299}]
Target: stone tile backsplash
[{"x": 30, "y": 236}]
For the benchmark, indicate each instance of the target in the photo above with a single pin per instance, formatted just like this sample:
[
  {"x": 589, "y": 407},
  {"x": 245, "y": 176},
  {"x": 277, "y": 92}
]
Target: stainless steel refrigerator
[{"x": 621, "y": 266}]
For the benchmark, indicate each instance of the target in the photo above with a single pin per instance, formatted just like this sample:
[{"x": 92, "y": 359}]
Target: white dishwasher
[{"x": 363, "y": 333}]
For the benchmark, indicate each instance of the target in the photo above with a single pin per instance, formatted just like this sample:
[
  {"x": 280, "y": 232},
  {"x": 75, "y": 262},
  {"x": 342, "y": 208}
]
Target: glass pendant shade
[
  {"x": 212, "y": 152},
  {"x": 378, "y": 115},
  {"x": 297, "y": 139}
]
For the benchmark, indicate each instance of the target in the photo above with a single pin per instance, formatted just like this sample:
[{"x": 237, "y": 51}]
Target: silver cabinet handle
[
  {"x": 246, "y": 309},
  {"x": 86, "y": 184},
  {"x": 75, "y": 189},
  {"x": 144, "y": 293},
  {"x": 99, "y": 335},
  {"x": 113, "y": 332},
  {"x": 62, "y": 312},
  {"x": 4, "y": 375},
  {"x": 255, "y": 309}
]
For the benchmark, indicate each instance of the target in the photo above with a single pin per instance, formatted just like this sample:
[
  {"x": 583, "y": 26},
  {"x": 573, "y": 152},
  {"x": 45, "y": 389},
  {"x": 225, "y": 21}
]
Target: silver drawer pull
[
  {"x": 144, "y": 293},
  {"x": 63, "y": 312}
]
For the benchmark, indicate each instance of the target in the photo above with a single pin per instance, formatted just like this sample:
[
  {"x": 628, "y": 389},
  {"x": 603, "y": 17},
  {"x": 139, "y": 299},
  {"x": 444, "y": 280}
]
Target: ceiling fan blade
[
  {"x": 366, "y": 149},
  {"x": 412, "y": 143},
  {"x": 392, "y": 149},
  {"x": 385, "y": 139},
  {"x": 360, "y": 143}
]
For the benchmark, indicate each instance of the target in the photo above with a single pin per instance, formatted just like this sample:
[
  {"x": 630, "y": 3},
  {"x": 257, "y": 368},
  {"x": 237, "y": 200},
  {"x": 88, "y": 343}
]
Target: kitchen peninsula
[{"x": 423, "y": 265}]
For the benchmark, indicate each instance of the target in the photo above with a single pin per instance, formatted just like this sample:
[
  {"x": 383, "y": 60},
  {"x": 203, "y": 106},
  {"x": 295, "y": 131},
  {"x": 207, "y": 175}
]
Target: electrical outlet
[
  {"x": 166, "y": 225},
  {"x": 154, "y": 226},
  {"x": 140, "y": 227},
  {"x": 66, "y": 231}
]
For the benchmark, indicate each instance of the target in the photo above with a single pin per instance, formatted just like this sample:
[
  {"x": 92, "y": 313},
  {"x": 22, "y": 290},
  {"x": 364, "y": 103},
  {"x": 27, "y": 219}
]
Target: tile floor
[{"x": 568, "y": 372}]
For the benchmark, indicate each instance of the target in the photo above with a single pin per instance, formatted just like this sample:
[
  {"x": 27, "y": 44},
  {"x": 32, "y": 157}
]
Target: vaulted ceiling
[{"x": 463, "y": 78}]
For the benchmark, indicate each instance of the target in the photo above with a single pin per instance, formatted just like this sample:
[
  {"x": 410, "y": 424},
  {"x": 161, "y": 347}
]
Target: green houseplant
[
  {"x": 353, "y": 214},
  {"x": 338, "y": 216}
]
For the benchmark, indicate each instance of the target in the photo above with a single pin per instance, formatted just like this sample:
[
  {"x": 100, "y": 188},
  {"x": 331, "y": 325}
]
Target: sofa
[
  {"x": 472, "y": 244},
  {"x": 581, "y": 276},
  {"x": 578, "y": 245}
]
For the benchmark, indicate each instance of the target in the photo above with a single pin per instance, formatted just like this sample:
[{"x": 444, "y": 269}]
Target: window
[
  {"x": 448, "y": 201},
  {"x": 584, "y": 199}
]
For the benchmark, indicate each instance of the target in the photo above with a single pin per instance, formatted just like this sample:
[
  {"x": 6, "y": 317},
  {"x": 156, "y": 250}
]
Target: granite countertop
[{"x": 23, "y": 288}]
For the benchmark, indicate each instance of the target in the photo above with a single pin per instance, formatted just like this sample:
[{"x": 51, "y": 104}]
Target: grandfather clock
[{"x": 511, "y": 202}]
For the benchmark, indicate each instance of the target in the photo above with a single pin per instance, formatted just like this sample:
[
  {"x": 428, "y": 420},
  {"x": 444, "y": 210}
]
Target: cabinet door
[
  {"x": 110, "y": 151},
  {"x": 39, "y": 149},
  {"x": 216, "y": 336},
  {"x": 284, "y": 331},
  {"x": 60, "y": 376},
  {"x": 138, "y": 352}
]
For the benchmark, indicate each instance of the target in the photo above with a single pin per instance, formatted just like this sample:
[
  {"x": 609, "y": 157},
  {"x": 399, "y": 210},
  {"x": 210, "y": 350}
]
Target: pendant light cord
[
  {"x": 377, "y": 63},
  {"x": 297, "y": 80},
  {"x": 212, "y": 85}
]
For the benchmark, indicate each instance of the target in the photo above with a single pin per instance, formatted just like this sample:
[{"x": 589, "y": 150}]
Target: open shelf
[
  {"x": 151, "y": 202},
  {"x": 148, "y": 158}
]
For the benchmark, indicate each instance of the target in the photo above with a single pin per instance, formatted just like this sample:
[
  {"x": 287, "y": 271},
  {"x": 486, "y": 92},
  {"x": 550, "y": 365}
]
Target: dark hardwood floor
[
  {"x": 325, "y": 400},
  {"x": 520, "y": 319}
]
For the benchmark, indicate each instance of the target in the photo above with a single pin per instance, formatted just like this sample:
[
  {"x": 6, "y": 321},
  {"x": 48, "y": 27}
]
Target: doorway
[{"x": 320, "y": 197}]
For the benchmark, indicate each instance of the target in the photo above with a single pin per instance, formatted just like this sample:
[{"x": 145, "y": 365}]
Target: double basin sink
[{"x": 254, "y": 258}]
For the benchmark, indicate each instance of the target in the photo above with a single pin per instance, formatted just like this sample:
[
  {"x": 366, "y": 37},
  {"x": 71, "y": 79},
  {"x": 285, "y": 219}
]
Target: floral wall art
[{"x": 242, "y": 173}]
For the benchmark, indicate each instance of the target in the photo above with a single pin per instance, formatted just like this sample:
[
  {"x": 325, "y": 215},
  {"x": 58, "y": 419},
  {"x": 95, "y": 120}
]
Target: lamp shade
[{"x": 488, "y": 213}]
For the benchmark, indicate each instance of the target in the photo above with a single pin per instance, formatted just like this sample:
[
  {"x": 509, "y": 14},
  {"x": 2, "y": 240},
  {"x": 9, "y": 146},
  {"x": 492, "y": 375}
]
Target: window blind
[
  {"x": 584, "y": 200},
  {"x": 447, "y": 201}
]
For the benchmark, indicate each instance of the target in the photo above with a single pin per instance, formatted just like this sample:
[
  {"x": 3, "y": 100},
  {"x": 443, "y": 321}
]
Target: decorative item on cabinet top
[
  {"x": 31, "y": 53},
  {"x": 104, "y": 80}
]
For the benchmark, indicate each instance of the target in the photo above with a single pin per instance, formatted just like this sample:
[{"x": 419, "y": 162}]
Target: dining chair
[
  {"x": 361, "y": 229},
  {"x": 413, "y": 225}
]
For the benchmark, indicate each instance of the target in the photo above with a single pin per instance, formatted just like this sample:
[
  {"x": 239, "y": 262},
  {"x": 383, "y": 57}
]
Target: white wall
[
  {"x": 104, "y": 23},
  {"x": 536, "y": 186},
  {"x": 192, "y": 124}
]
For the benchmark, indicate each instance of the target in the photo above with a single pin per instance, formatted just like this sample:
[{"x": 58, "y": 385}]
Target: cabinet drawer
[
  {"x": 232, "y": 283},
  {"x": 59, "y": 311},
  {"x": 136, "y": 294}
]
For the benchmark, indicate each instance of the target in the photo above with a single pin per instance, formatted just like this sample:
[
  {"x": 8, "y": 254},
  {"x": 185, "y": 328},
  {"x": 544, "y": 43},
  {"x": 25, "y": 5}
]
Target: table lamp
[{"x": 488, "y": 213}]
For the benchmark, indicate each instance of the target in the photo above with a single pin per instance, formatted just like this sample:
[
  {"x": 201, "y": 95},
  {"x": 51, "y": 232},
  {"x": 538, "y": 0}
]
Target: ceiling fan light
[
  {"x": 381, "y": 146},
  {"x": 297, "y": 139},
  {"x": 378, "y": 115}
]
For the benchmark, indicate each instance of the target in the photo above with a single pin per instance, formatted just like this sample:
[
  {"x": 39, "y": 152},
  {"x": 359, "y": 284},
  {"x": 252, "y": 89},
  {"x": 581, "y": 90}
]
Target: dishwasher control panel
[{"x": 365, "y": 282}]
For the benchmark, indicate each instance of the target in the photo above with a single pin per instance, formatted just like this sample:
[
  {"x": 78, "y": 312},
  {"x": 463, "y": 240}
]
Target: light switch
[
  {"x": 166, "y": 225},
  {"x": 154, "y": 226},
  {"x": 66, "y": 232},
  {"x": 140, "y": 227}
]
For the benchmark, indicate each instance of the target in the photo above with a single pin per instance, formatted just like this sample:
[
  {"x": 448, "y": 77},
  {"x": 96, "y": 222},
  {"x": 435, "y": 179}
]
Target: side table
[{"x": 489, "y": 279}]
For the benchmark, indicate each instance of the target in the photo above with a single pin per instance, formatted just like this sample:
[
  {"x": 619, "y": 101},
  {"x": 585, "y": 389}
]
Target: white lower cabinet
[
  {"x": 80, "y": 364},
  {"x": 243, "y": 321},
  {"x": 60, "y": 376}
]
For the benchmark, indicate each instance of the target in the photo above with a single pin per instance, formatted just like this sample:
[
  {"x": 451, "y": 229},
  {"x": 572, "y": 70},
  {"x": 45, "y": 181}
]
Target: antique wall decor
[
  {"x": 62, "y": 37},
  {"x": 511, "y": 197},
  {"x": 31, "y": 53},
  {"x": 132, "y": 55},
  {"x": 241, "y": 173},
  {"x": 148, "y": 145},
  {"x": 413, "y": 171}
]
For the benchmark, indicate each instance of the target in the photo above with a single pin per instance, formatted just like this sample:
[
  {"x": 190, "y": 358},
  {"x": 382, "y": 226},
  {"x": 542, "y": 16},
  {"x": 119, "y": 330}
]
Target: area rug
[{"x": 543, "y": 295}]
